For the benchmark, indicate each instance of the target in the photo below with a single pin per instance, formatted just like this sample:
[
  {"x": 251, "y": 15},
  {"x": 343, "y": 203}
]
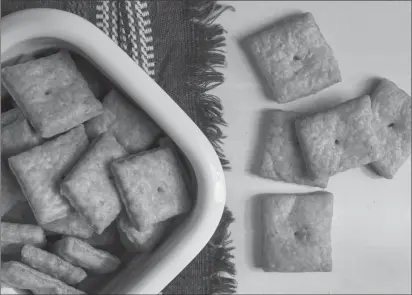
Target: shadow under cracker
[
  {"x": 254, "y": 216},
  {"x": 243, "y": 42},
  {"x": 259, "y": 146}
]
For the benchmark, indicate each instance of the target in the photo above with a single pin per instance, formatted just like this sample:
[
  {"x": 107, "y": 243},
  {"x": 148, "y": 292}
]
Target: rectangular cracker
[
  {"x": 52, "y": 265},
  {"x": 52, "y": 93},
  {"x": 18, "y": 137},
  {"x": 14, "y": 236},
  {"x": 11, "y": 193},
  {"x": 18, "y": 275},
  {"x": 72, "y": 225},
  {"x": 88, "y": 186},
  {"x": 282, "y": 158},
  {"x": 339, "y": 138},
  {"x": 100, "y": 124},
  {"x": 152, "y": 187},
  {"x": 295, "y": 58},
  {"x": 297, "y": 232},
  {"x": 392, "y": 109},
  {"x": 139, "y": 241},
  {"x": 40, "y": 169},
  {"x": 81, "y": 254},
  {"x": 133, "y": 128}
]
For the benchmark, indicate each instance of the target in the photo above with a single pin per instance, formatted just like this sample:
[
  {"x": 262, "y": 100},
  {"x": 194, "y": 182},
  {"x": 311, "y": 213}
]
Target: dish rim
[{"x": 44, "y": 26}]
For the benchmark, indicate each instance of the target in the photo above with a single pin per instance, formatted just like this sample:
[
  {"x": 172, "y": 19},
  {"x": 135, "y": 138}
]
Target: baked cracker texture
[
  {"x": 51, "y": 93},
  {"x": 88, "y": 186},
  {"x": 11, "y": 193},
  {"x": 40, "y": 169},
  {"x": 14, "y": 236},
  {"x": 20, "y": 276},
  {"x": 100, "y": 124},
  {"x": 132, "y": 128},
  {"x": 339, "y": 138},
  {"x": 152, "y": 187},
  {"x": 81, "y": 254},
  {"x": 282, "y": 157},
  {"x": 392, "y": 110},
  {"x": 295, "y": 58},
  {"x": 52, "y": 265},
  {"x": 139, "y": 241},
  {"x": 297, "y": 232},
  {"x": 73, "y": 225}
]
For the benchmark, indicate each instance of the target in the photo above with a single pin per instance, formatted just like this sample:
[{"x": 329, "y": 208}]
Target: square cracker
[
  {"x": 282, "y": 157},
  {"x": 152, "y": 187},
  {"x": 21, "y": 276},
  {"x": 40, "y": 169},
  {"x": 132, "y": 128},
  {"x": 18, "y": 137},
  {"x": 339, "y": 138},
  {"x": 52, "y": 93},
  {"x": 295, "y": 58},
  {"x": 297, "y": 232},
  {"x": 81, "y": 254},
  {"x": 88, "y": 186},
  {"x": 392, "y": 110}
]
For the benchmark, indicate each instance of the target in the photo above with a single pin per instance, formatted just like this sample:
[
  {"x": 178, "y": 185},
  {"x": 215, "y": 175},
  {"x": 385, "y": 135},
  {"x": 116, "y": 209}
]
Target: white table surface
[{"x": 371, "y": 229}]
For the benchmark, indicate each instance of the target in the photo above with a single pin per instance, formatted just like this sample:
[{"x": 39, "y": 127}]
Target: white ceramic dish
[{"x": 31, "y": 30}]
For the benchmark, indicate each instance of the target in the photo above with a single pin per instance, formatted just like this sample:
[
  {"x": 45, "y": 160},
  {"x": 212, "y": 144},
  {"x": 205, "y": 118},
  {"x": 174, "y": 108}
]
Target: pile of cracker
[
  {"x": 82, "y": 180},
  {"x": 309, "y": 148}
]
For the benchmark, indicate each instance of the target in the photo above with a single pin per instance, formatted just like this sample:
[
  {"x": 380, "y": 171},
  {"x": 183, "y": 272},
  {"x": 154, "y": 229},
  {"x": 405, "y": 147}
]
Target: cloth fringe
[{"x": 202, "y": 74}]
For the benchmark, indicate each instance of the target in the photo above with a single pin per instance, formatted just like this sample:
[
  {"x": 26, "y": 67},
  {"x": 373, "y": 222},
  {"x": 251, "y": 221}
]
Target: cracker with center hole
[
  {"x": 339, "y": 138},
  {"x": 51, "y": 93},
  {"x": 392, "y": 109},
  {"x": 297, "y": 232},
  {"x": 73, "y": 225},
  {"x": 52, "y": 265},
  {"x": 14, "y": 236},
  {"x": 152, "y": 187},
  {"x": 11, "y": 116},
  {"x": 139, "y": 241},
  {"x": 40, "y": 170},
  {"x": 20, "y": 276},
  {"x": 89, "y": 187},
  {"x": 100, "y": 124},
  {"x": 18, "y": 137},
  {"x": 282, "y": 158},
  {"x": 81, "y": 254},
  {"x": 133, "y": 128},
  {"x": 295, "y": 58},
  {"x": 11, "y": 193}
]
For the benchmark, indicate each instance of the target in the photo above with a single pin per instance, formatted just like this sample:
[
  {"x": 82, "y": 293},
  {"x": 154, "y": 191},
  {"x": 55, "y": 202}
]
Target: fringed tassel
[{"x": 202, "y": 75}]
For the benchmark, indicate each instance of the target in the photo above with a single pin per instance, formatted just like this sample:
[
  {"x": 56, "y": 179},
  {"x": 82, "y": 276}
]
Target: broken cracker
[
  {"x": 40, "y": 169},
  {"x": 88, "y": 186},
  {"x": 51, "y": 93},
  {"x": 139, "y": 241},
  {"x": 132, "y": 128},
  {"x": 282, "y": 157},
  {"x": 297, "y": 232},
  {"x": 52, "y": 265},
  {"x": 392, "y": 110},
  {"x": 339, "y": 138},
  {"x": 81, "y": 254},
  {"x": 295, "y": 58},
  {"x": 152, "y": 187}
]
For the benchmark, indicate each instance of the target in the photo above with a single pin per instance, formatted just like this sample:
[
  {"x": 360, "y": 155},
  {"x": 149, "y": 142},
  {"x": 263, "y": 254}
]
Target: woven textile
[{"x": 179, "y": 45}]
